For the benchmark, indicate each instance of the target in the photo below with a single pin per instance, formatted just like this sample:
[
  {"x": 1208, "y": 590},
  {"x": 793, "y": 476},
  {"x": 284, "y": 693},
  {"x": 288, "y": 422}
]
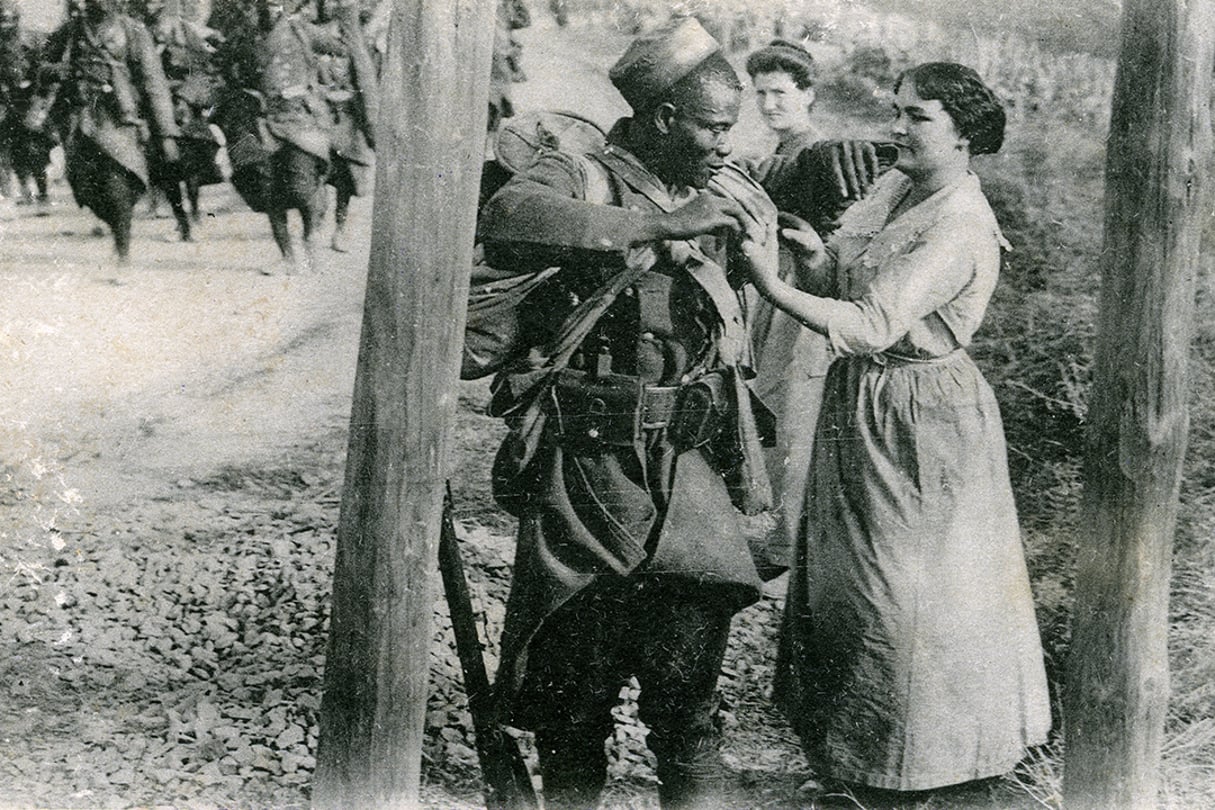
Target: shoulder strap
[
  {"x": 633, "y": 175},
  {"x": 598, "y": 185}
]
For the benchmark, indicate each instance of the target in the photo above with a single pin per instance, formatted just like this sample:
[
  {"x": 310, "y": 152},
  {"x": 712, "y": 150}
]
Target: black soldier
[
  {"x": 112, "y": 105},
  {"x": 632, "y": 462},
  {"x": 25, "y": 141},
  {"x": 348, "y": 82},
  {"x": 187, "y": 50},
  {"x": 297, "y": 118}
]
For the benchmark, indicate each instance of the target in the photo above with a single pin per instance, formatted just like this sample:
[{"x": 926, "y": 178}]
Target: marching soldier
[
  {"x": 105, "y": 76},
  {"x": 187, "y": 53},
  {"x": 25, "y": 142},
  {"x": 348, "y": 82},
  {"x": 297, "y": 118}
]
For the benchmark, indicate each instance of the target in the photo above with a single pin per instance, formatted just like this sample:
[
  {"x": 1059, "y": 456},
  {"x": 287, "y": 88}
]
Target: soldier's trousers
[{"x": 671, "y": 634}]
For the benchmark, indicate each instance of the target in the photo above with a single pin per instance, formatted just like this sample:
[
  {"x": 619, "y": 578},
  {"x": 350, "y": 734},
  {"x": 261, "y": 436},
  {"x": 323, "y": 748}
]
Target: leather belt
[{"x": 611, "y": 408}]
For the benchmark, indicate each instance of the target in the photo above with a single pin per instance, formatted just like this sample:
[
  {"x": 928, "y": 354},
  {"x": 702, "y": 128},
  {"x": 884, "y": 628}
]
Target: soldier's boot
[
  {"x": 689, "y": 771},
  {"x": 192, "y": 189},
  {"x": 340, "y": 241},
  {"x": 173, "y": 193},
  {"x": 574, "y": 768}
]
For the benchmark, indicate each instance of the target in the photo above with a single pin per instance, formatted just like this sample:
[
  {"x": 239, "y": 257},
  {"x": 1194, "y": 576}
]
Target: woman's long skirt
[{"x": 910, "y": 656}]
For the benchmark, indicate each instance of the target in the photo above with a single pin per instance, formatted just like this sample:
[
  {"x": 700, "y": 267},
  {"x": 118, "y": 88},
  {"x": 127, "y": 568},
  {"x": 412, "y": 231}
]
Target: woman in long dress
[{"x": 910, "y": 657}]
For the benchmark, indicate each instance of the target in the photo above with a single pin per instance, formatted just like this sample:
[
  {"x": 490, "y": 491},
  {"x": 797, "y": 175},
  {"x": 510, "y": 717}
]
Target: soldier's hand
[
  {"x": 847, "y": 167},
  {"x": 705, "y": 213},
  {"x": 168, "y": 148}
]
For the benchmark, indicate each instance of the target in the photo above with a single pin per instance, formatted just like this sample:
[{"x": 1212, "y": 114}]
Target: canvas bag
[{"x": 492, "y": 333}]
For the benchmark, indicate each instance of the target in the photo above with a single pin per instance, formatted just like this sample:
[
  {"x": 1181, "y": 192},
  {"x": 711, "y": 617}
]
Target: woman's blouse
[{"x": 916, "y": 286}]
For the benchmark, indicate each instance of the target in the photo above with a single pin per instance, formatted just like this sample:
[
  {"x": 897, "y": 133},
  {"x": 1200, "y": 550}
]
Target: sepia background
[{"x": 172, "y": 437}]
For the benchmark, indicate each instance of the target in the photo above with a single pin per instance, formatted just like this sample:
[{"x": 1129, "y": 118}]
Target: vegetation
[{"x": 1054, "y": 68}]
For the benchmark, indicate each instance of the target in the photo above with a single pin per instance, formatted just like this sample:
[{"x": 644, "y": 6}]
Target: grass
[{"x": 1036, "y": 345}]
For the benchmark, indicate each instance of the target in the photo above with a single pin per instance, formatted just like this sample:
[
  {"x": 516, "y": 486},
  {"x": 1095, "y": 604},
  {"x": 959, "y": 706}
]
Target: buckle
[{"x": 658, "y": 406}]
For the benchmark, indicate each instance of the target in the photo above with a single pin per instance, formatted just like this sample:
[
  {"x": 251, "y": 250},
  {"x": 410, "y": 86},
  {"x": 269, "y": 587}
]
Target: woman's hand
[
  {"x": 763, "y": 257},
  {"x": 809, "y": 252}
]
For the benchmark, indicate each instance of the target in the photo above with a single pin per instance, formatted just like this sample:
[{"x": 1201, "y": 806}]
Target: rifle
[{"x": 508, "y": 784}]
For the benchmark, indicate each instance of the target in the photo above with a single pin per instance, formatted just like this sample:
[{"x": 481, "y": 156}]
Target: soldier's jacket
[
  {"x": 187, "y": 57},
  {"x": 114, "y": 92},
  {"x": 621, "y": 507},
  {"x": 296, "y": 109},
  {"x": 348, "y": 84}
]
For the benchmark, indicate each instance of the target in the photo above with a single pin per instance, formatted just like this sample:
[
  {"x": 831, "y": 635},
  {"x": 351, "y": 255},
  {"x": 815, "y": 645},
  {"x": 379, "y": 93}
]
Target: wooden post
[
  {"x": 430, "y": 145},
  {"x": 1158, "y": 151}
]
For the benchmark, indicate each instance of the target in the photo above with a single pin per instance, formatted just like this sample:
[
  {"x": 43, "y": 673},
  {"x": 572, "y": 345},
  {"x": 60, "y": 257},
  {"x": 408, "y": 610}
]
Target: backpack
[{"x": 492, "y": 332}]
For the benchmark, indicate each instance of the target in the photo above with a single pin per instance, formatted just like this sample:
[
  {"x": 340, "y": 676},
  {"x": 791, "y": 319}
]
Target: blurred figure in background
[
  {"x": 187, "y": 50},
  {"x": 106, "y": 91},
  {"x": 349, "y": 84},
  {"x": 25, "y": 139},
  {"x": 506, "y": 64}
]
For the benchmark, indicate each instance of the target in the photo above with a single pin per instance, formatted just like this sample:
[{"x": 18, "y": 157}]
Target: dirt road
[{"x": 172, "y": 435}]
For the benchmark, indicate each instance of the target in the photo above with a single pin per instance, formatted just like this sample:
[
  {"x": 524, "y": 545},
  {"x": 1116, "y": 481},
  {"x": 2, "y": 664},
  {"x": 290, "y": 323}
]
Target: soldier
[
  {"x": 506, "y": 64},
  {"x": 187, "y": 52},
  {"x": 631, "y": 465},
  {"x": 105, "y": 76},
  {"x": 297, "y": 117},
  {"x": 25, "y": 145},
  {"x": 349, "y": 84}
]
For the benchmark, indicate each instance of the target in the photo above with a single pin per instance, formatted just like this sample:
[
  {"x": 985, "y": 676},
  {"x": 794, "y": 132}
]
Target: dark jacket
[
  {"x": 600, "y": 504},
  {"x": 114, "y": 92},
  {"x": 296, "y": 109}
]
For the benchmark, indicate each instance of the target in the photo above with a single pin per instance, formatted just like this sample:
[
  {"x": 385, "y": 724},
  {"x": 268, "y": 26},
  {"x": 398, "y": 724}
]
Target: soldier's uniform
[
  {"x": 25, "y": 146},
  {"x": 296, "y": 110},
  {"x": 113, "y": 101},
  {"x": 187, "y": 56},
  {"x": 348, "y": 84},
  {"x": 631, "y": 557}
]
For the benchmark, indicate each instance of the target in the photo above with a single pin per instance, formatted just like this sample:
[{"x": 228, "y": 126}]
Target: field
[{"x": 173, "y": 437}]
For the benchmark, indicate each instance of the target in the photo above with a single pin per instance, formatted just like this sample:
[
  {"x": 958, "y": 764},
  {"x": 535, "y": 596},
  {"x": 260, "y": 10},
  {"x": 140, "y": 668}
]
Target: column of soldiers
[{"x": 143, "y": 97}]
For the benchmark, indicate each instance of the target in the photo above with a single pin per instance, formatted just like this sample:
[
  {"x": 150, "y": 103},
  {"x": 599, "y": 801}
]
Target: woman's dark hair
[
  {"x": 974, "y": 108},
  {"x": 783, "y": 56}
]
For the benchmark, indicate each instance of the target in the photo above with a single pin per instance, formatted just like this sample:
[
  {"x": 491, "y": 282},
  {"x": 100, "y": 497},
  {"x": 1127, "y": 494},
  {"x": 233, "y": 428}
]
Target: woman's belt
[{"x": 894, "y": 359}]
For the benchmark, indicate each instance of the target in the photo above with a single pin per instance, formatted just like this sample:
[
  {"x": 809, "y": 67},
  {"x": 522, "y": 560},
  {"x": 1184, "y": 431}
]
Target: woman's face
[
  {"x": 927, "y": 137},
  {"x": 784, "y": 106}
]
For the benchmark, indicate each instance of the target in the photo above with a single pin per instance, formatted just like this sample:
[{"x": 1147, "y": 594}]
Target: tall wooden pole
[
  {"x": 1158, "y": 151},
  {"x": 430, "y": 143}
]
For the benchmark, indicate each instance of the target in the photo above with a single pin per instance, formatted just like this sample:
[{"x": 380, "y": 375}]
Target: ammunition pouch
[
  {"x": 616, "y": 409},
  {"x": 702, "y": 410}
]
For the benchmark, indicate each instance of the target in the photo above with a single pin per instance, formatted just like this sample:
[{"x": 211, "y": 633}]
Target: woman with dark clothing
[
  {"x": 782, "y": 74},
  {"x": 791, "y": 361},
  {"x": 910, "y": 657}
]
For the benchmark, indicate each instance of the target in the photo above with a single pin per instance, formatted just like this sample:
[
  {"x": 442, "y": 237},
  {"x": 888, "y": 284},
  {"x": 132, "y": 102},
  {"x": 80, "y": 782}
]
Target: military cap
[{"x": 655, "y": 61}]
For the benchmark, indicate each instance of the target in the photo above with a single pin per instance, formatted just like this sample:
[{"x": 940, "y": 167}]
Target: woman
[
  {"x": 782, "y": 74},
  {"x": 791, "y": 361},
  {"x": 910, "y": 657}
]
